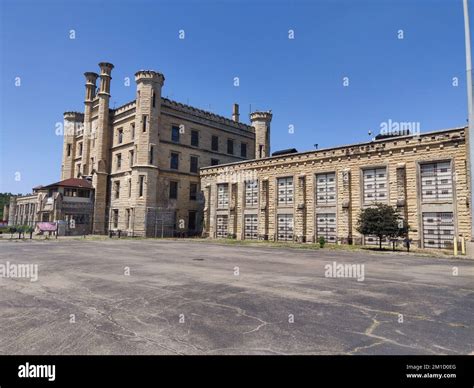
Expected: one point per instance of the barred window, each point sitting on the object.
(222, 226)
(251, 227)
(326, 226)
(223, 196)
(285, 227)
(436, 181)
(285, 191)
(326, 189)
(438, 230)
(251, 193)
(375, 185)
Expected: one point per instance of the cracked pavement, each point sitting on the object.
(182, 297)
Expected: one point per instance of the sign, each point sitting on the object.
(47, 226)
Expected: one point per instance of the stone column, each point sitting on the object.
(233, 187)
(263, 209)
(206, 211)
(401, 190)
(240, 210)
(344, 220)
(300, 212)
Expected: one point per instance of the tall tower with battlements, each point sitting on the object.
(144, 157)
(261, 123)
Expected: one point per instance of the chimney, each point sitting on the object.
(105, 71)
(90, 85)
(235, 113)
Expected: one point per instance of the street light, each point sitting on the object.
(470, 134)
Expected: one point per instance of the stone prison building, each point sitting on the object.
(143, 158)
(302, 196)
(156, 167)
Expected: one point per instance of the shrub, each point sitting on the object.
(11, 230)
(322, 242)
(20, 229)
(29, 230)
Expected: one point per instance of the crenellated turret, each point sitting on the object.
(261, 123)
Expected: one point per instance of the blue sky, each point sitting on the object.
(300, 79)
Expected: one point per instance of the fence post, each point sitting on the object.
(455, 245)
(463, 245)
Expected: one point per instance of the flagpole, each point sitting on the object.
(470, 134)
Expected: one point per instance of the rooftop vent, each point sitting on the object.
(285, 152)
(402, 132)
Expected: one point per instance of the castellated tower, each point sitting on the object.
(144, 175)
(73, 123)
(261, 123)
(101, 148)
(144, 157)
(91, 79)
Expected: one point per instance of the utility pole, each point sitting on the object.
(470, 134)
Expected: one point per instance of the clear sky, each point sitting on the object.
(301, 80)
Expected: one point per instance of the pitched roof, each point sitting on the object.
(72, 182)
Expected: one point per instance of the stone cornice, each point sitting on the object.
(203, 115)
(404, 144)
(165, 102)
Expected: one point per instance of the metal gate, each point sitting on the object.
(438, 230)
(160, 222)
(222, 226)
(285, 227)
(251, 227)
(326, 226)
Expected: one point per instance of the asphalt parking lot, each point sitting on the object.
(184, 297)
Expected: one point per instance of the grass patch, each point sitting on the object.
(330, 247)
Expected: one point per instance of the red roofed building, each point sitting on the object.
(69, 203)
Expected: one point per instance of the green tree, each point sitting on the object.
(381, 221)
